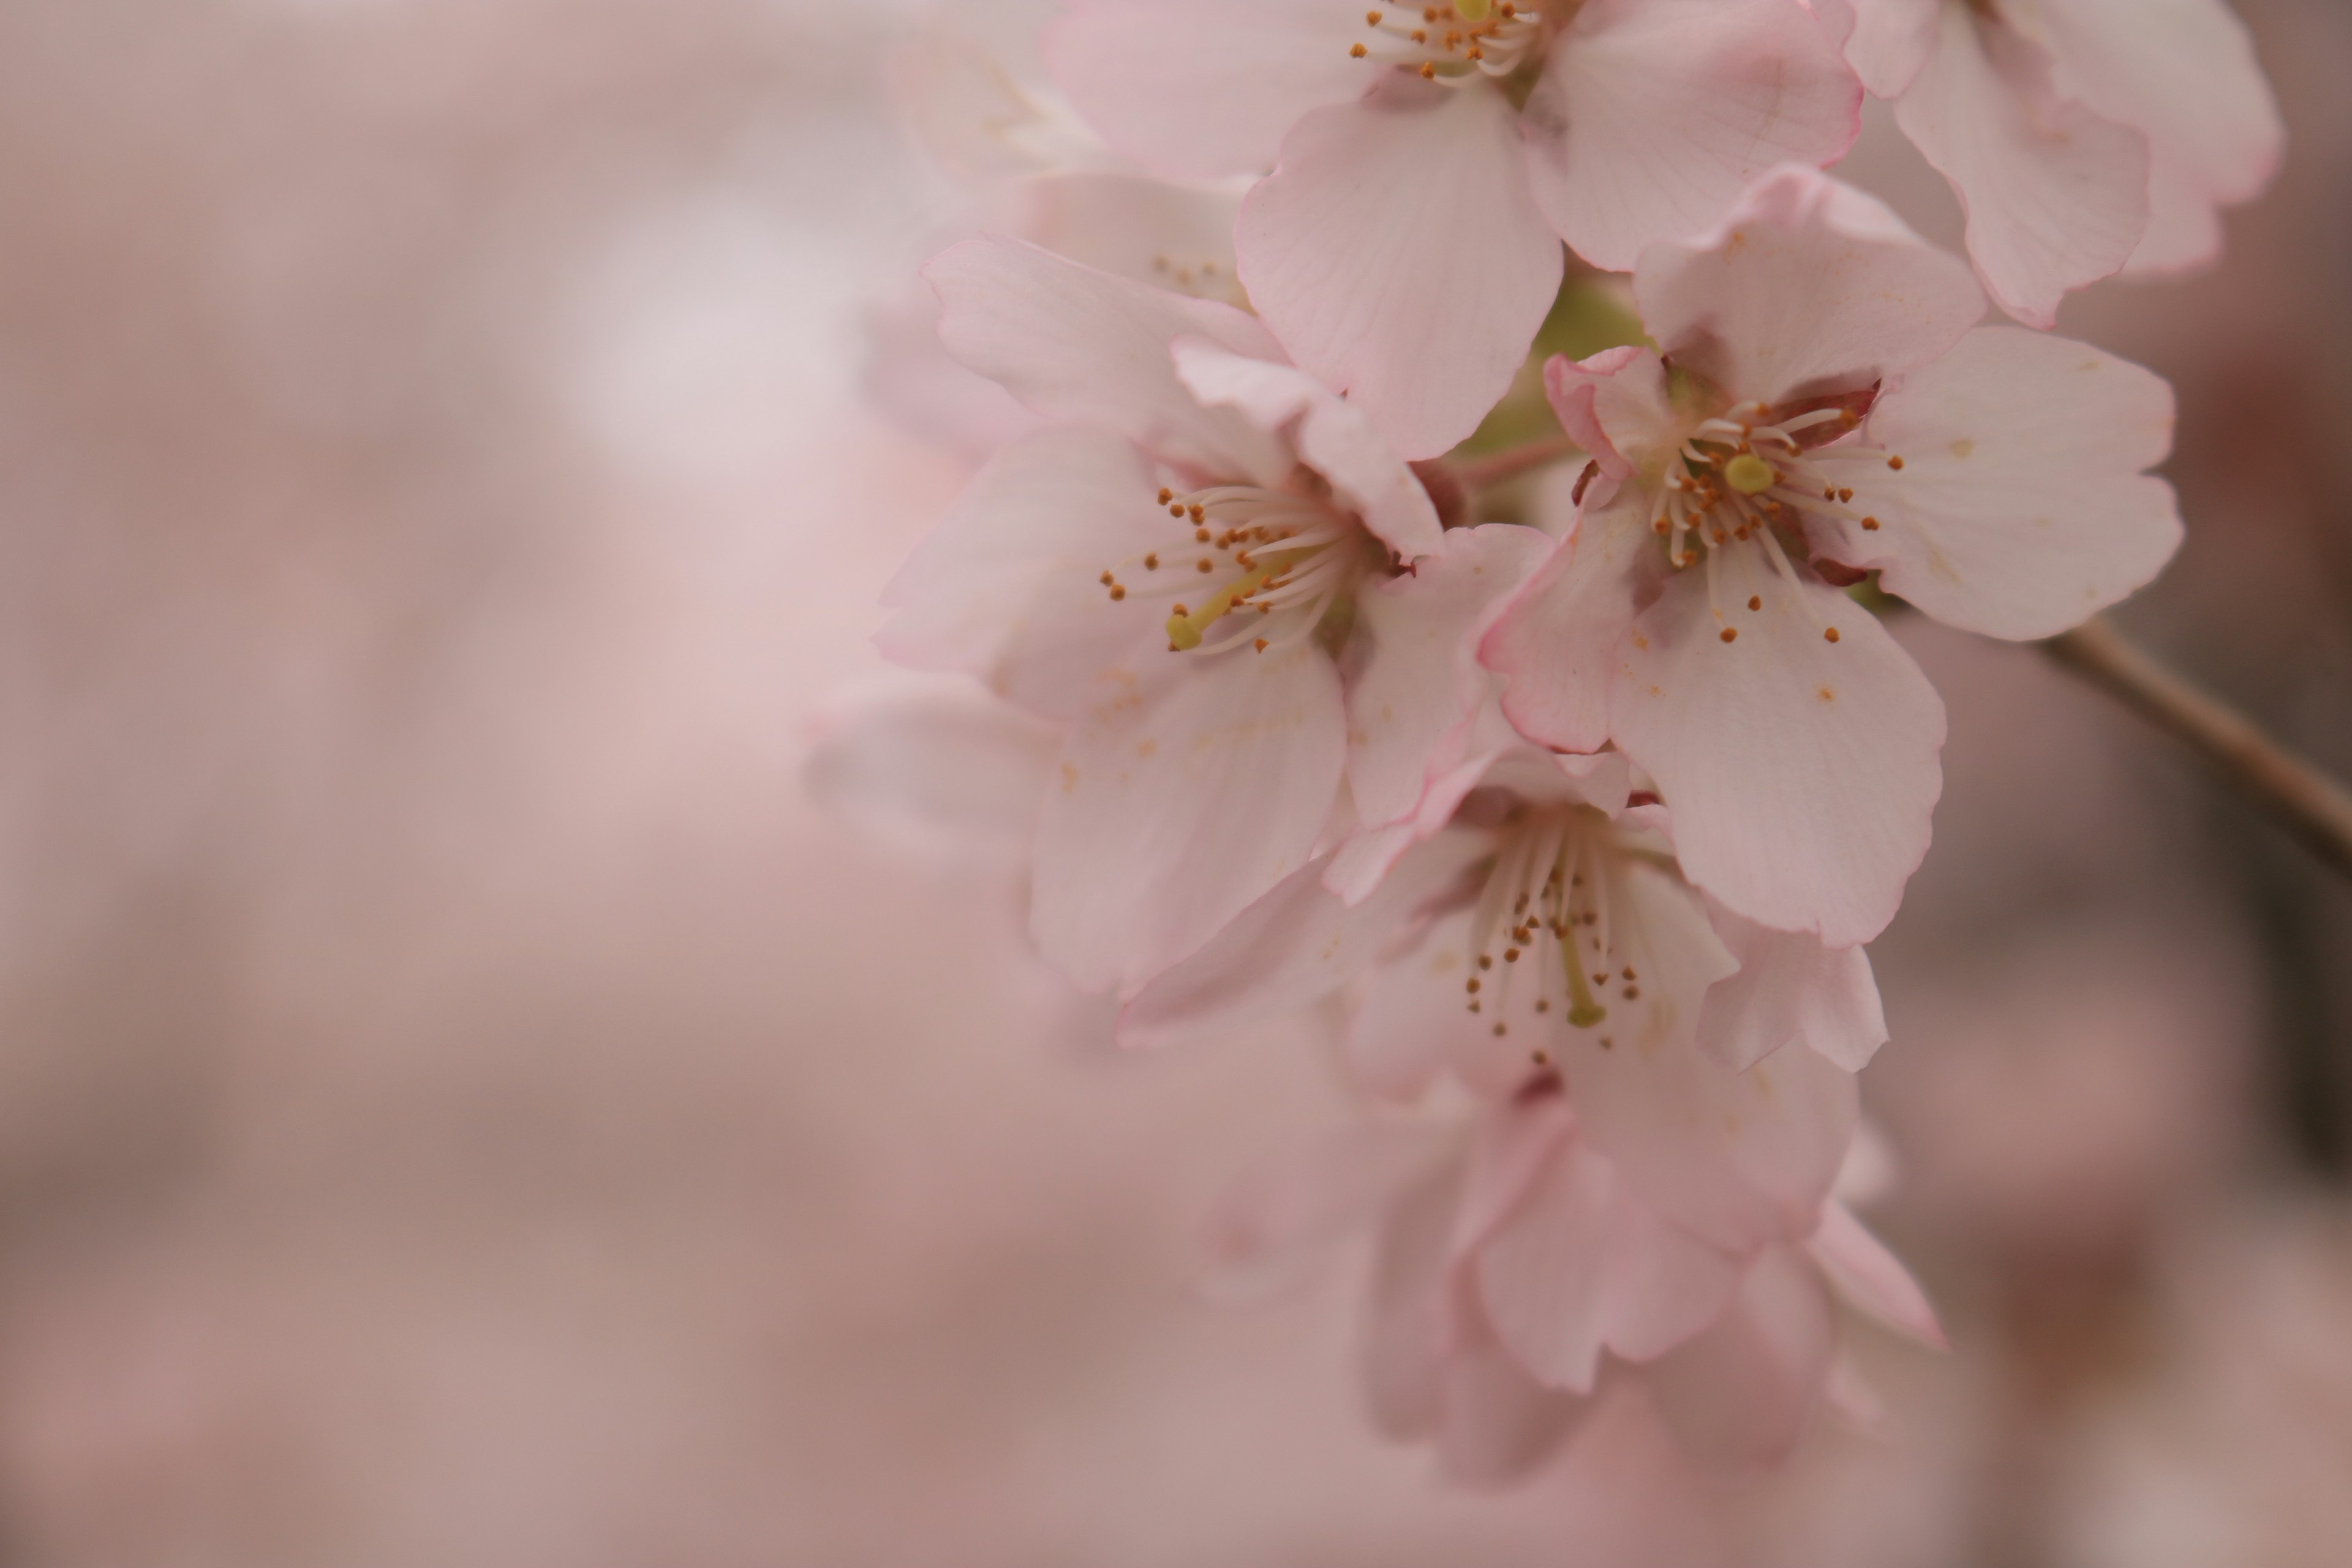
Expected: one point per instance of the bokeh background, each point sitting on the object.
(462, 1103)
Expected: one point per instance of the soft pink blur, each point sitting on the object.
(462, 1104)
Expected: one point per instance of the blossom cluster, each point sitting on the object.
(1575, 794)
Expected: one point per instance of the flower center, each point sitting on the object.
(1458, 43)
(1746, 478)
(1545, 917)
(1256, 567)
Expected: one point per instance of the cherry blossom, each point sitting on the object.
(1432, 159)
(1542, 928)
(2084, 137)
(1821, 409)
(1203, 563)
(1520, 1283)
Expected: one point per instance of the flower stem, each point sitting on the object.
(1476, 473)
(2305, 801)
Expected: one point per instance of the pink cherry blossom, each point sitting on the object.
(2084, 137)
(1521, 1282)
(1543, 930)
(1997, 482)
(1432, 161)
(1201, 562)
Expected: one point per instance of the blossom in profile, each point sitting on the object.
(1535, 923)
(1822, 407)
(2084, 137)
(1520, 1284)
(1432, 159)
(1218, 573)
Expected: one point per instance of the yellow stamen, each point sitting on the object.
(1184, 629)
(1472, 10)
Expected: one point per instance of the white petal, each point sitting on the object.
(1084, 347)
(1801, 774)
(1186, 791)
(1398, 255)
(2020, 509)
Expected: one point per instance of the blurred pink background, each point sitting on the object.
(462, 1103)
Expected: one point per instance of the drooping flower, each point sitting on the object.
(1433, 158)
(1534, 922)
(1822, 410)
(1521, 1282)
(1218, 572)
(2084, 137)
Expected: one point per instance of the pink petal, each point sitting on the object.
(1741, 1395)
(1171, 237)
(1207, 88)
(1397, 255)
(1790, 989)
(2020, 509)
(2184, 72)
(1885, 41)
(1872, 1278)
(1329, 436)
(1614, 405)
(1293, 946)
(1580, 1267)
(1559, 641)
(1007, 586)
(1739, 1158)
(1810, 286)
(935, 762)
(1801, 774)
(2056, 196)
(1409, 1027)
(1653, 115)
(1409, 711)
(1082, 346)
(1186, 791)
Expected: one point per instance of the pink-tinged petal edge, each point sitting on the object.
(1397, 254)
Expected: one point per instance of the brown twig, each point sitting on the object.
(2306, 802)
(1476, 473)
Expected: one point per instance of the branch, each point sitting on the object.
(1476, 473)
(2305, 801)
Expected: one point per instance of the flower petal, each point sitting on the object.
(2020, 509)
(1741, 1395)
(1872, 1278)
(1397, 255)
(1187, 790)
(1082, 346)
(1293, 946)
(1653, 115)
(2184, 72)
(1410, 710)
(1790, 989)
(1614, 405)
(1741, 1158)
(1329, 436)
(1007, 586)
(1579, 1266)
(1801, 774)
(1808, 286)
(2056, 196)
(1559, 641)
(1885, 41)
(1207, 88)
